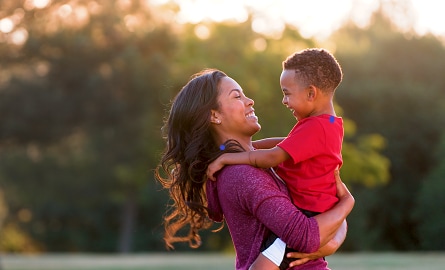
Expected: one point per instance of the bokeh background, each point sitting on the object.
(85, 87)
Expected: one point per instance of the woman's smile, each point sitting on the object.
(251, 114)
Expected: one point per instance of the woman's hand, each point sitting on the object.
(302, 258)
(329, 221)
(330, 248)
(342, 190)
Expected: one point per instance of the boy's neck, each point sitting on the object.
(324, 108)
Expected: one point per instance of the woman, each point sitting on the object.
(210, 116)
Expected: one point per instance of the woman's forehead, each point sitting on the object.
(228, 84)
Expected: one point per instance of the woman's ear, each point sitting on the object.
(214, 117)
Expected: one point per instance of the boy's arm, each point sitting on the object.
(267, 142)
(263, 158)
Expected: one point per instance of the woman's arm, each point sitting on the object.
(267, 142)
(331, 220)
(298, 231)
(330, 248)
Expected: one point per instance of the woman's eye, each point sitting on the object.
(238, 97)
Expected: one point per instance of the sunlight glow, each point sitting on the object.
(94, 8)
(82, 16)
(202, 31)
(65, 10)
(430, 16)
(123, 4)
(131, 22)
(6, 25)
(41, 3)
(157, 2)
(19, 36)
(361, 11)
(268, 26)
(42, 68)
(71, 15)
(17, 16)
(215, 10)
(259, 44)
(315, 18)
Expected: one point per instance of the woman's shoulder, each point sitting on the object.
(245, 175)
(248, 185)
(243, 170)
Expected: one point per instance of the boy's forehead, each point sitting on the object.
(287, 75)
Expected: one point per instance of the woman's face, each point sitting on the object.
(235, 116)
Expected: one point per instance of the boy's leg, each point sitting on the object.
(273, 253)
(276, 251)
(263, 263)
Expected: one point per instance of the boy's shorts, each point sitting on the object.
(275, 249)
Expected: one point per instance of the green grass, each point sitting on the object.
(196, 261)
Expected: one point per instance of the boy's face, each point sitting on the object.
(296, 95)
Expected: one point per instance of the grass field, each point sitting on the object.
(197, 261)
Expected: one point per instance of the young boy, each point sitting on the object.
(306, 159)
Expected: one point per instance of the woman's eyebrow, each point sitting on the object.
(236, 90)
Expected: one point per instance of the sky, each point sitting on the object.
(315, 18)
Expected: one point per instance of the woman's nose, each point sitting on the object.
(250, 102)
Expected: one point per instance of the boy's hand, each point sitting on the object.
(213, 167)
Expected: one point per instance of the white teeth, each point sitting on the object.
(251, 114)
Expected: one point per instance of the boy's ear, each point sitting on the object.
(312, 92)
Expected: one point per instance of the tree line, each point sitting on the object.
(84, 97)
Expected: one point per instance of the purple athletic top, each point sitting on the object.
(253, 202)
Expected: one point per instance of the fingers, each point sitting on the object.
(300, 258)
(341, 188)
(211, 171)
(298, 262)
(210, 175)
(295, 255)
(337, 175)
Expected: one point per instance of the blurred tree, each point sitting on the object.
(82, 101)
(254, 60)
(3, 209)
(429, 211)
(79, 107)
(393, 86)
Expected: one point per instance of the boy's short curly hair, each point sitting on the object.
(316, 67)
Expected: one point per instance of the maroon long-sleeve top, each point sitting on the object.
(253, 203)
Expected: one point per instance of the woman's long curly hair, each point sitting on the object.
(189, 150)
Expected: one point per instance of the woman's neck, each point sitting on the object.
(246, 143)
